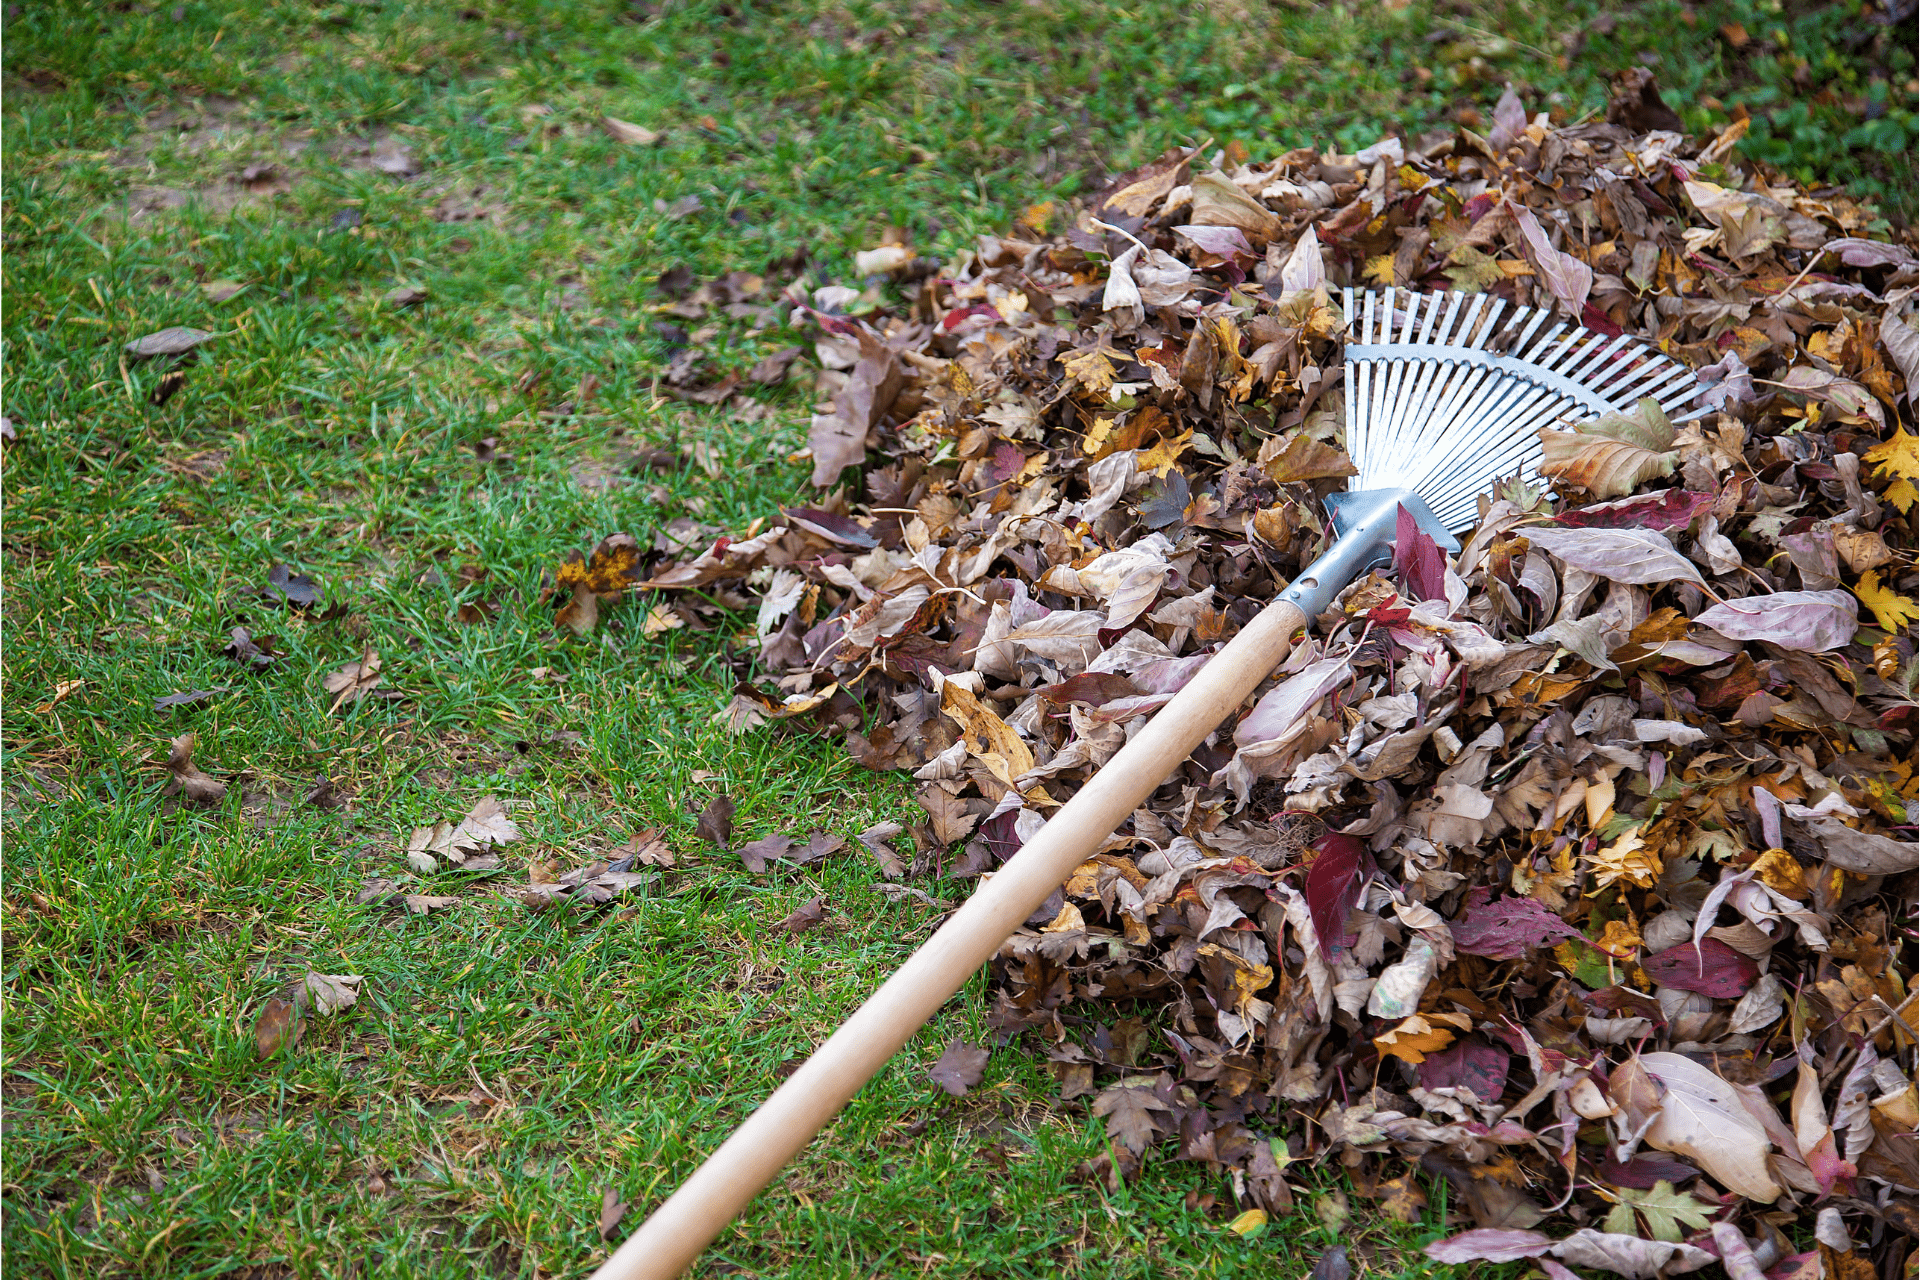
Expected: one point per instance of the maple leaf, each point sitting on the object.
(1091, 369)
(1129, 1108)
(353, 681)
(1664, 1209)
(1898, 458)
(961, 1066)
(1891, 610)
(1627, 858)
(1473, 271)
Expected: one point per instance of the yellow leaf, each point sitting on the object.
(1899, 456)
(1891, 610)
(1069, 920)
(1091, 369)
(1902, 494)
(1249, 1224)
(1379, 270)
(1097, 438)
(1780, 871)
(1627, 859)
(1161, 457)
(1413, 1040)
(989, 739)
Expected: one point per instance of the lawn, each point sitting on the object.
(455, 342)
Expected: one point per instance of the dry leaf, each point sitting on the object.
(353, 681)
(188, 781)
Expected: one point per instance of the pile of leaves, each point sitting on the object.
(1577, 871)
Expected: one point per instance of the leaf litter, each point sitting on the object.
(1576, 870)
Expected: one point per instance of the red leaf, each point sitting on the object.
(1664, 511)
(1341, 866)
(1417, 559)
(1507, 929)
(1716, 969)
(1645, 1169)
(1470, 1064)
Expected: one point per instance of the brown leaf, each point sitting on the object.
(353, 681)
(805, 916)
(196, 786)
(961, 1066)
(716, 822)
(633, 135)
(819, 845)
(612, 1209)
(755, 855)
(1304, 459)
(176, 341)
(276, 1027)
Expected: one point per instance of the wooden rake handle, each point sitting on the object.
(669, 1240)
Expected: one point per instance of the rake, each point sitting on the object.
(1445, 395)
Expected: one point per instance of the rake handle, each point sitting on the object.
(669, 1240)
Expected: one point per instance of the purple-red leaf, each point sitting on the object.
(1806, 621)
(1418, 560)
(1669, 509)
(1507, 929)
(1716, 969)
(1341, 866)
(1470, 1064)
(1489, 1244)
(1645, 1169)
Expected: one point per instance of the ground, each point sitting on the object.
(441, 364)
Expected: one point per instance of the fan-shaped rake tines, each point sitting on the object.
(1448, 391)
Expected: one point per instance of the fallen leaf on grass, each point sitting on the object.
(633, 135)
(61, 692)
(326, 993)
(1249, 1224)
(1333, 1265)
(805, 916)
(961, 1066)
(176, 341)
(392, 156)
(353, 681)
(820, 844)
(755, 855)
(715, 825)
(196, 786)
(646, 849)
(250, 651)
(402, 296)
(296, 590)
(186, 698)
(276, 1027)
(612, 1209)
(485, 826)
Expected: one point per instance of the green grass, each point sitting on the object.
(502, 1069)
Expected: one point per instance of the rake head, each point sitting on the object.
(1447, 392)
